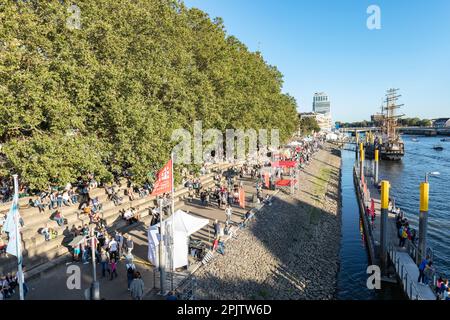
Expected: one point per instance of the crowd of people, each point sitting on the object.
(404, 230)
(9, 285)
(110, 249)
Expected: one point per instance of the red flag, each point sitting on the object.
(242, 198)
(163, 182)
(267, 180)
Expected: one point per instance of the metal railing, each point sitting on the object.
(409, 287)
(406, 280)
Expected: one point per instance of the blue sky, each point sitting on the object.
(325, 45)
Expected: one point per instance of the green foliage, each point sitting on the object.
(109, 95)
(308, 125)
(403, 122)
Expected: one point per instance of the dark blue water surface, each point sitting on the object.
(354, 258)
(405, 178)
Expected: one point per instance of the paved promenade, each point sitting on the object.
(52, 283)
(302, 232)
(291, 248)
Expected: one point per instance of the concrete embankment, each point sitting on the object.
(291, 248)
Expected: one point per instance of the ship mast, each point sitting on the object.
(389, 112)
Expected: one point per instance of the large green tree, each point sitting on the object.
(107, 95)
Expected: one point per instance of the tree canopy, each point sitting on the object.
(107, 94)
(309, 125)
(404, 122)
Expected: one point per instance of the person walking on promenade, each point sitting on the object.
(113, 247)
(137, 287)
(120, 241)
(112, 269)
(216, 229)
(104, 261)
(130, 245)
(403, 235)
(422, 267)
(131, 269)
(228, 213)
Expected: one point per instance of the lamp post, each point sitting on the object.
(433, 174)
(423, 217)
(95, 286)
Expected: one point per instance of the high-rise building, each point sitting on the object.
(321, 103)
(322, 110)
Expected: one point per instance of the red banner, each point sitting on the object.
(284, 164)
(163, 182)
(267, 180)
(284, 183)
(242, 198)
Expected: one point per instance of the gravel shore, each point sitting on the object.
(291, 248)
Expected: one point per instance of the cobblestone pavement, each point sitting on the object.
(291, 249)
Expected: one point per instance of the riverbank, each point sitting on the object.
(291, 248)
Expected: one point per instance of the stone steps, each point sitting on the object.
(38, 251)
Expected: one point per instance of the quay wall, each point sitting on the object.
(369, 238)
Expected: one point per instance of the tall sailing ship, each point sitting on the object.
(391, 145)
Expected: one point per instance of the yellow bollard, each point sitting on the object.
(377, 158)
(424, 196)
(361, 164)
(385, 186)
(423, 220)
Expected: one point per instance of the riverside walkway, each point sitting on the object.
(404, 265)
(41, 288)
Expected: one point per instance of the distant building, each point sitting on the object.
(322, 111)
(321, 103)
(323, 120)
(441, 123)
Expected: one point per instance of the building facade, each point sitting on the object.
(321, 103)
(441, 123)
(322, 111)
(323, 120)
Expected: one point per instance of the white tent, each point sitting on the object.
(294, 144)
(331, 137)
(183, 226)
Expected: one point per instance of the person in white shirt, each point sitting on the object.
(113, 246)
(128, 214)
(66, 199)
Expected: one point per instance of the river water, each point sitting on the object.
(405, 178)
(354, 258)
